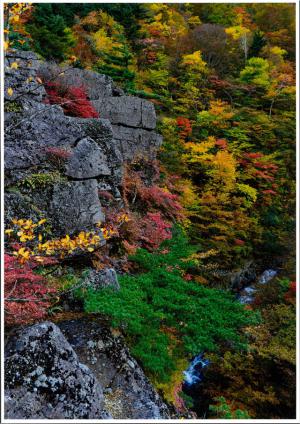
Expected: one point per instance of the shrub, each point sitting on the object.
(155, 230)
(198, 318)
(27, 298)
(72, 99)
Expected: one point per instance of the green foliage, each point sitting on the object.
(40, 181)
(150, 304)
(117, 63)
(256, 72)
(223, 410)
(51, 37)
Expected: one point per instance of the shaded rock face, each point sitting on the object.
(75, 205)
(87, 161)
(98, 147)
(128, 393)
(45, 379)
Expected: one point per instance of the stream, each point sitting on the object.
(193, 375)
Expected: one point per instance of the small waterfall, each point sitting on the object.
(248, 293)
(193, 375)
(266, 276)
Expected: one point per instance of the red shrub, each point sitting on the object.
(155, 230)
(239, 242)
(73, 100)
(25, 294)
(185, 127)
(290, 295)
(222, 143)
(163, 200)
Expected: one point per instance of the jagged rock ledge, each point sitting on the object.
(98, 148)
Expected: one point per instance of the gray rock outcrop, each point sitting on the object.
(91, 151)
(78, 369)
(75, 205)
(44, 378)
(87, 161)
(128, 111)
(128, 394)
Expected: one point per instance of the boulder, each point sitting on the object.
(75, 206)
(87, 161)
(128, 394)
(102, 279)
(44, 378)
(127, 110)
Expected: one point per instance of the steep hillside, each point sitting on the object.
(150, 210)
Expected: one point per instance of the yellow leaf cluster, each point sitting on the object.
(194, 61)
(25, 231)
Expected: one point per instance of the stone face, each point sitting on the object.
(44, 378)
(27, 137)
(75, 206)
(97, 86)
(128, 394)
(136, 142)
(105, 278)
(22, 79)
(127, 110)
(87, 160)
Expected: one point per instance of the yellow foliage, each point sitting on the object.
(170, 389)
(25, 231)
(102, 41)
(194, 61)
(236, 32)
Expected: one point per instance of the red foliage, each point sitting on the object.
(290, 295)
(58, 152)
(253, 155)
(239, 242)
(269, 192)
(161, 199)
(222, 143)
(185, 127)
(26, 296)
(73, 100)
(105, 195)
(155, 230)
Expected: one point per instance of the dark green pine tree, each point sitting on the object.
(116, 64)
(51, 37)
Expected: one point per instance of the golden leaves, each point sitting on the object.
(10, 91)
(25, 231)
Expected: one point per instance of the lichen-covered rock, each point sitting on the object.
(102, 279)
(23, 80)
(75, 206)
(28, 135)
(128, 111)
(44, 378)
(128, 394)
(87, 161)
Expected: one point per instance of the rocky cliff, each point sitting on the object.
(78, 369)
(97, 148)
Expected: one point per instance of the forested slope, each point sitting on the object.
(193, 207)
